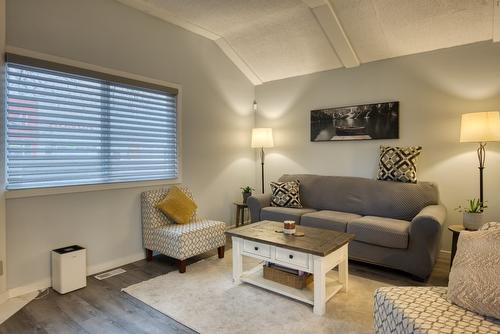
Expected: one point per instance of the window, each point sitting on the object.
(70, 126)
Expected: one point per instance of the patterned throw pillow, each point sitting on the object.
(474, 277)
(398, 163)
(286, 194)
(490, 226)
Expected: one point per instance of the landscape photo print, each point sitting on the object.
(361, 122)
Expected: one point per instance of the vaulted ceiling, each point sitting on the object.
(275, 39)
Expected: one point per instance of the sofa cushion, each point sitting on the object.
(280, 214)
(380, 231)
(331, 220)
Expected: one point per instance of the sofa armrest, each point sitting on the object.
(256, 203)
(425, 237)
(429, 220)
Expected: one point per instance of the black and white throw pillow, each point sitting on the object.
(398, 163)
(286, 194)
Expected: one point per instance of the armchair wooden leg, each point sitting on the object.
(220, 251)
(149, 255)
(182, 266)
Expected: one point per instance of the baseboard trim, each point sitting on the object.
(98, 268)
(32, 287)
(447, 252)
(91, 270)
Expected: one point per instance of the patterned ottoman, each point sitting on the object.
(425, 310)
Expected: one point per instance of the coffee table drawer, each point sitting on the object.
(292, 257)
(257, 248)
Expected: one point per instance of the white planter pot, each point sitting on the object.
(473, 221)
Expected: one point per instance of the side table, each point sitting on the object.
(455, 229)
(240, 213)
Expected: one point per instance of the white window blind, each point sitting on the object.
(68, 129)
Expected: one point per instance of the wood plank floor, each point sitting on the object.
(101, 307)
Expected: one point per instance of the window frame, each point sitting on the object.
(28, 57)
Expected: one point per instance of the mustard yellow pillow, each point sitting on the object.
(177, 205)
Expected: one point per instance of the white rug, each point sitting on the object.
(206, 300)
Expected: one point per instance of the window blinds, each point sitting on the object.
(68, 129)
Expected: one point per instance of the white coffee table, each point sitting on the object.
(317, 252)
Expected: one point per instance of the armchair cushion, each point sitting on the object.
(182, 241)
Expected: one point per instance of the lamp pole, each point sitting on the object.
(262, 137)
(481, 155)
(262, 166)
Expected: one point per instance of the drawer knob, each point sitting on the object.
(256, 248)
(290, 256)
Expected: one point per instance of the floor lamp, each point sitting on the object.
(480, 127)
(261, 138)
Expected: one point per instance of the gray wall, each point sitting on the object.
(433, 89)
(217, 118)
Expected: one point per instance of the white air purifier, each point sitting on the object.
(69, 268)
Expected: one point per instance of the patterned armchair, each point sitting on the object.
(179, 241)
(419, 310)
(472, 287)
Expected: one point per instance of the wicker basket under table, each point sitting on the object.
(288, 279)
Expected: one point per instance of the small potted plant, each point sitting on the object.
(473, 214)
(246, 192)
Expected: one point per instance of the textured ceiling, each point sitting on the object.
(275, 39)
(380, 29)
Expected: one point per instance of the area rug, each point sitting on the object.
(206, 300)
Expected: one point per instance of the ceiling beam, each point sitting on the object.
(314, 3)
(328, 20)
(238, 61)
(496, 20)
(165, 15)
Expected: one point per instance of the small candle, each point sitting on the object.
(289, 227)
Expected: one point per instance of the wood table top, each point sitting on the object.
(316, 241)
(456, 228)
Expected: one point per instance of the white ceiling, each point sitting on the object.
(275, 39)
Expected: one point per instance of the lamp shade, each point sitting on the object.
(480, 127)
(262, 137)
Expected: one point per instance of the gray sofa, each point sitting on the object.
(396, 225)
